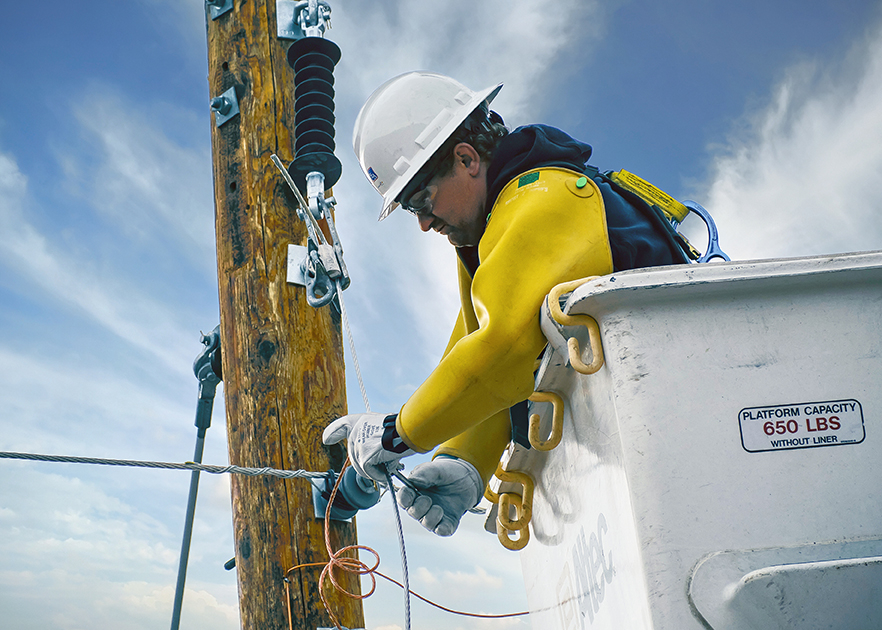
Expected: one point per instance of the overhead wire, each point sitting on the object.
(208, 468)
(337, 560)
(340, 562)
(400, 529)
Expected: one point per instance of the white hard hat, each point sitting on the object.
(404, 122)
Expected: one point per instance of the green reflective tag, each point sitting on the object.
(528, 179)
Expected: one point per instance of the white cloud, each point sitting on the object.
(153, 188)
(88, 601)
(105, 290)
(446, 581)
(471, 572)
(202, 608)
(803, 177)
(102, 558)
(13, 185)
(479, 44)
(404, 297)
(86, 410)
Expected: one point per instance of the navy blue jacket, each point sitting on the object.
(637, 236)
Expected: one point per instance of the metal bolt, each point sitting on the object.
(221, 105)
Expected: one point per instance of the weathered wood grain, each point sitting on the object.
(282, 359)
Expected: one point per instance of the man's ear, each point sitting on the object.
(469, 157)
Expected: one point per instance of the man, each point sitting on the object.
(524, 217)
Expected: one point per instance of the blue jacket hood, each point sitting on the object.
(530, 147)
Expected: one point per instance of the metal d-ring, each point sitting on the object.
(526, 496)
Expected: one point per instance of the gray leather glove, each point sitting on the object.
(449, 487)
(374, 443)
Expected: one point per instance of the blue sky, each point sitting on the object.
(765, 112)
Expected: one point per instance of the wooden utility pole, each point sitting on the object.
(282, 359)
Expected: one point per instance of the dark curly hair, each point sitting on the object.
(483, 130)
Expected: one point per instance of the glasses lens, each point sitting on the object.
(420, 202)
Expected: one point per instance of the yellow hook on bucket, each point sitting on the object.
(556, 422)
(575, 353)
(522, 503)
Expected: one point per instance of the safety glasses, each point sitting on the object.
(420, 202)
(418, 195)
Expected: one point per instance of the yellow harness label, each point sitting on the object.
(649, 193)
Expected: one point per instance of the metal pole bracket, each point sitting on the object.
(225, 106)
(296, 258)
(296, 19)
(218, 7)
(287, 25)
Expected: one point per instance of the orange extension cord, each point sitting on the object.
(354, 565)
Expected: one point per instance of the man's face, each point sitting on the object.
(457, 200)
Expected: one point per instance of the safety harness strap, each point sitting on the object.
(659, 207)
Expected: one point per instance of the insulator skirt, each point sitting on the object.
(313, 60)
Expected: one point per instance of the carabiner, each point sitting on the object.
(320, 289)
(713, 236)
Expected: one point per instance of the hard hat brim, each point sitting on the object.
(389, 203)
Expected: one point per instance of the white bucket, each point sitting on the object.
(724, 467)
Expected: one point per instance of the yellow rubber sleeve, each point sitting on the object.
(547, 226)
(481, 445)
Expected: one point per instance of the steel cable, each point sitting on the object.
(208, 468)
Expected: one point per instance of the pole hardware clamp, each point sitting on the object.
(304, 18)
(225, 106)
(319, 265)
(218, 7)
(207, 368)
(355, 493)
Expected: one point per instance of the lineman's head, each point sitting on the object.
(424, 141)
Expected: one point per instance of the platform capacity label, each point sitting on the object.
(801, 425)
